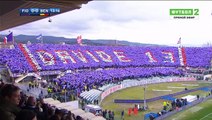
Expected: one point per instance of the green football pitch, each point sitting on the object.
(202, 111)
(152, 90)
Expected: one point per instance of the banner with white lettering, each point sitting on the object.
(54, 57)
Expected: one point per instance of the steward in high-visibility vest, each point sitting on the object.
(85, 87)
(30, 84)
(49, 90)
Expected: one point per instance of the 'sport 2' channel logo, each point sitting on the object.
(184, 13)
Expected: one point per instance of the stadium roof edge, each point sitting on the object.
(9, 10)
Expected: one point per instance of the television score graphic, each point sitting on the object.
(39, 11)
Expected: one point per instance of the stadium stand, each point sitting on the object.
(48, 57)
(89, 72)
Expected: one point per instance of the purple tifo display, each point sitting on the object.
(50, 57)
(198, 57)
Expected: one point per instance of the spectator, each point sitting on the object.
(159, 113)
(68, 116)
(9, 100)
(198, 97)
(108, 115)
(104, 114)
(122, 115)
(129, 111)
(78, 118)
(138, 106)
(151, 117)
(45, 109)
(1, 83)
(113, 114)
(186, 102)
(135, 110)
(58, 115)
(50, 113)
(73, 116)
(26, 115)
(31, 105)
(97, 102)
(173, 103)
(41, 96)
(164, 105)
(23, 100)
(30, 85)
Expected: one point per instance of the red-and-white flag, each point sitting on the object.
(79, 40)
(5, 40)
(179, 41)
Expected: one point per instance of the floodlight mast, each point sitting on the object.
(145, 105)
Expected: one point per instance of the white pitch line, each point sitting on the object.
(205, 116)
(162, 90)
(177, 87)
(190, 84)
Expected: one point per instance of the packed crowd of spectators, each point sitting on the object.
(71, 85)
(15, 105)
(86, 80)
